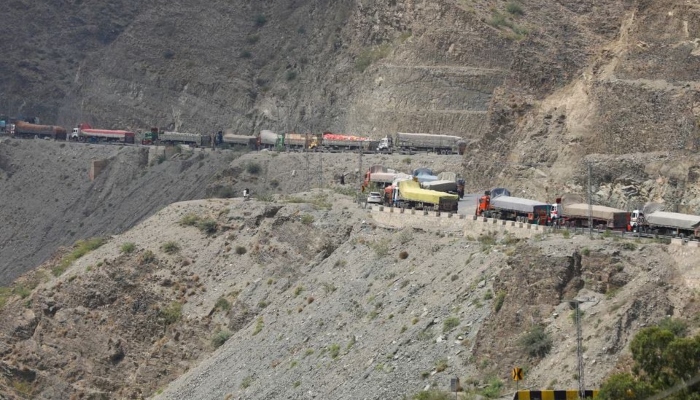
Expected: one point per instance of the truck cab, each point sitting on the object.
(484, 204)
(385, 145)
(636, 219)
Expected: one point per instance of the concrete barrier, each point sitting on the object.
(96, 166)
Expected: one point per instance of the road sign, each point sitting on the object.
(454, 385)
(517, 374)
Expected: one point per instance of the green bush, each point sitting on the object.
(128, 248)
(172, 313)
(253, 168)
(500, 298)
(514, 8)
(260, 20)
(147, 257)
(240, 250)
(170, 247)
(493, 390)
(189, 220)
(80, 248)
(246, 54)
(223, 304)
(208, 226)
(258, 326)
(291, 75)
(449, 324)
(334, 350)
(220, 338)
(536, 342)
(433, 394)
(307, 219)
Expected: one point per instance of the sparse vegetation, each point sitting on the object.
(307, 219)
(260, 20)
(220, 338)
(81, 248)
(334, 350)
(170, 247)
(222, 304)
(500, 298)
(371, 55)
(493, 390)
(514, 8)
(172, 313)
(381, 248)
(291, 75)
(208, 226)
(441, 365)
(258, 326)
(189, 220)
(253, 168)
(537, 342)
(127, 248)
(298, 290)
(240, 250)
(246, 382)
(146, 257)
(403, 255)
(449, 324)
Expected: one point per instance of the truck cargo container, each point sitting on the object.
(26, 129)
(300, 141)
(190, 139)
(513, 209)
(270, 140)
(666, 223)
(336, 142)
(576, 215)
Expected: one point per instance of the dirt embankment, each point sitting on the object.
(49, 201)
(307, 289)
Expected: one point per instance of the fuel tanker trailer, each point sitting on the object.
(25, 129)
(86, 133)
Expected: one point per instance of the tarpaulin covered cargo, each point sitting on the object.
(238, 139)
(440, 185)
(615, 218)
(386, 177)
(518, 204)
(426, 140)
(180, 137)
(597, 212)
(410, 190)
(268, 137)
(673, 220)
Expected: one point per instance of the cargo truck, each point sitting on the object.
(409, 143)
(26, 129)
(85, 133)
(239, 141)
(577, 215)
(190, 139)
(409, 194)
(666, 223)
(513, 209)
(334, 142)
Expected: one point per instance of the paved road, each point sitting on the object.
(467, 205)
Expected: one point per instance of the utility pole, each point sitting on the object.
(361, 177)
(590, 204)
(576, 304)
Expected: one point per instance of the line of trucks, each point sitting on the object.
(424, 190)
(403, 143)
(581, 215)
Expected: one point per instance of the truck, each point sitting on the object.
(270, 140)
(577, 215)
(190, 139)
(334, 142)
(666, 223)
(29, 130)
(300, 141)
(409, 143)
(382, 176)
(85, 133)
(513, 209)
(408, 193)
(240, 141)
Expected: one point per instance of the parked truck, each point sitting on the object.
(577, 215)
(85, 133)
(334, 142)
(513, 209)
(29, 130)
(239, 141)
(187, 138)
(666, 223)
(409, 194)
(409, 143)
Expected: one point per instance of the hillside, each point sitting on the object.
(330, 307)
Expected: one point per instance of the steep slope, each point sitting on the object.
(49, 201)
(310, 297)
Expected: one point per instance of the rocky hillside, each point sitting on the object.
(48, 199)
(332, 305)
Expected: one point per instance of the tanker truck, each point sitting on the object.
(25, 129)
(409, 143)
(85, 133)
